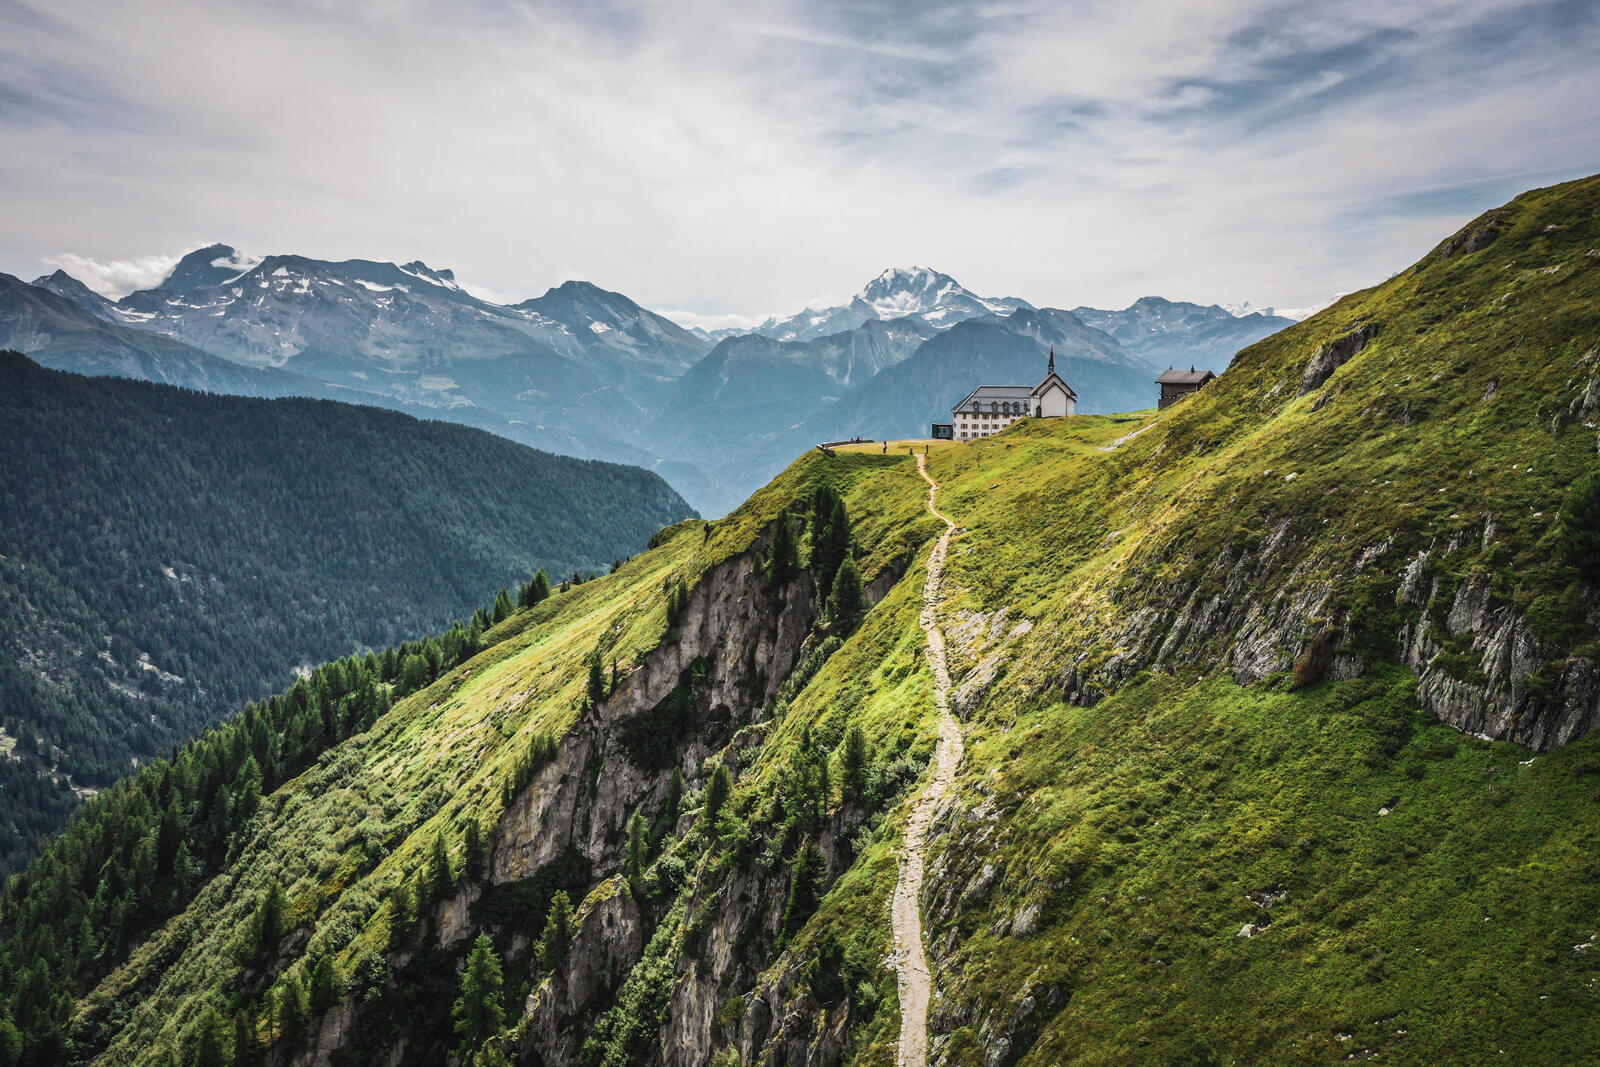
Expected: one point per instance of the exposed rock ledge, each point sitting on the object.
(1526, 691)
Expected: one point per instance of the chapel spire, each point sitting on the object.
(1052, 368)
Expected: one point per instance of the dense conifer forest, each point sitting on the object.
(167, 555)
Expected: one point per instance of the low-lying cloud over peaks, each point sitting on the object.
(117, 277)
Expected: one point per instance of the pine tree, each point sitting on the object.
(210, 1047)
(293, 1009)
(838, 537)
(10, 1043)
(168, 838)
(404, 909)
(846, 601)
(244, 1038)
(502, 607)
(246, 790)
(1580, 527)
(491, 1055)
(806, 787)
(853, 763)
(440, 880)
(597, 678)
(326, 985)
(266, 925)
(785, 552)
(805, 884)
(830, 538)
(479, 1012)
(473, 847)
(674, 798)
(638, 848)
(676, 591)
(820, 534)
(717, 793)
(557, 935)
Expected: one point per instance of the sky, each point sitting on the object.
(726, 161)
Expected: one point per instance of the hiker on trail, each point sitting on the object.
(886, 448)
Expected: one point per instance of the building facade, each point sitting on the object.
(989, 409)
(1177, 384)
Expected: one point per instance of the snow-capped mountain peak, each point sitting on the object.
(208, 266)
(899, 292)
(902, 291)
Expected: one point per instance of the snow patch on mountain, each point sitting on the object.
(236, 261)
(900, 292)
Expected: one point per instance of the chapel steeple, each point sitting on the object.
(1052, 368)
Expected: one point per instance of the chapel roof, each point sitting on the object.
(1053, 378)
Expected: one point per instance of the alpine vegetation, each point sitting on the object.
(1257, 729)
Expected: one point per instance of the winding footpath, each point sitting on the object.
(910, 960)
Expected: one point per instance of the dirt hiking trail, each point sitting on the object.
(909, 958)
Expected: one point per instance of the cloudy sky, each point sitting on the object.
(744, 158)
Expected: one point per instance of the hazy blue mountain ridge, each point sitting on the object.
(1174, 333)
(584, 371)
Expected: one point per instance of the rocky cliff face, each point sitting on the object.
(1504, 683)
(734, 643)
(740, 640)
(1480, 665)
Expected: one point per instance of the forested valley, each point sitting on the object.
(167, 555)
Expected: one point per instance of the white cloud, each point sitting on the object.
(693, 320)
(701, 157)
(492, 295)
(117, 277)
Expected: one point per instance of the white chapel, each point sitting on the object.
(989, 409)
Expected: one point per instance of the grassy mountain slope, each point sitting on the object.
(167, 555)
(1213, 808)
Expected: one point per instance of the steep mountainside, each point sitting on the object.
(166, 555)
(1279, 712)
(1174, 333)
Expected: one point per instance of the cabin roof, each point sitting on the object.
(1184, 377)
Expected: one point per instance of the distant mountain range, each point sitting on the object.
(1171, 333)
(588, 372)
(937, 299)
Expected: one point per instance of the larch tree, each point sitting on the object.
(479, 1011)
